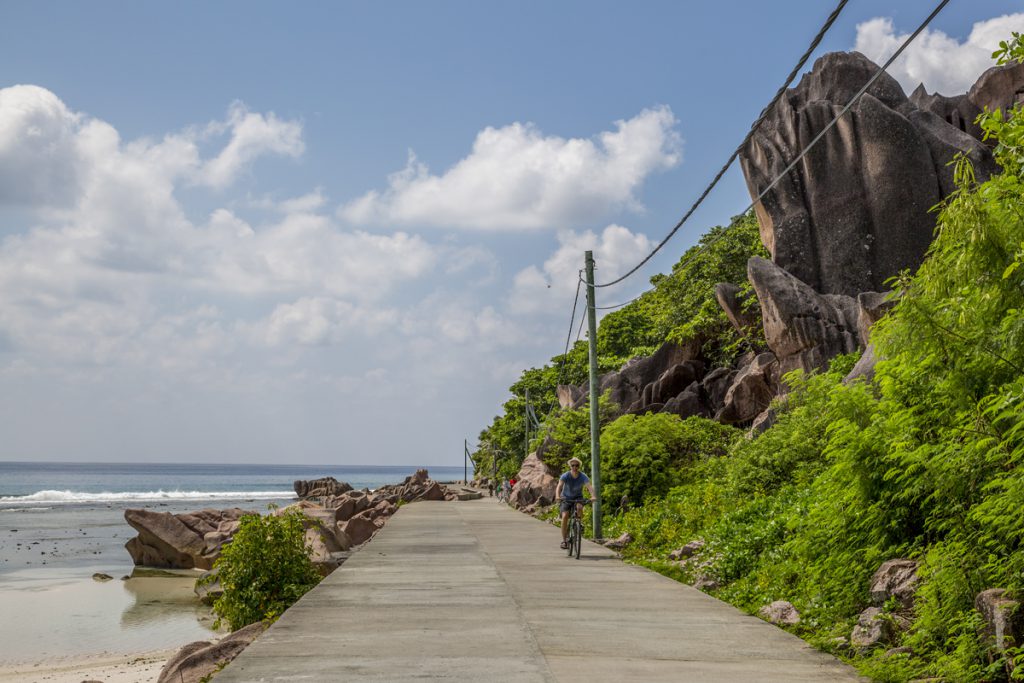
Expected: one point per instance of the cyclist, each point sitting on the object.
(570, 492)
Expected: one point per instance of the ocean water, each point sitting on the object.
(62, 522)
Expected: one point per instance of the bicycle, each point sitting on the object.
(575, 537)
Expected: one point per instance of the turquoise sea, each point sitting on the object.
(62, 522)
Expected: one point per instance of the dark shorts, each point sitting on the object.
(566, 505)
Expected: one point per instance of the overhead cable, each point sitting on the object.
(810, 145)
(764, 114)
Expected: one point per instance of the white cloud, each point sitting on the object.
(114, 272)
(550, 288)
(939, 61)
(319, 321)
(516, 178)
(252, 135)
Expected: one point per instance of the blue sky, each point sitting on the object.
(336, 232)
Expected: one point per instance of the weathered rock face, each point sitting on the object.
(318, 488)
(751, 392)
(185, 541)
(535, 483)
(854, 211)
(780, 613)
(803, 329)
(872, 629)
(728, 297)
(895, 579)
(1004, 620)
(359, 529)
(629, 384)
(199, 660)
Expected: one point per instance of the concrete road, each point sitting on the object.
(474, 591)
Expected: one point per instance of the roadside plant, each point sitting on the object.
(263, 570)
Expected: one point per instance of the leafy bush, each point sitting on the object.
(643, 456)
(264, 569)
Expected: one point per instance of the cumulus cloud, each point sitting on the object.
(112, 269)
(38, 147)
(516, 178)
(941, 62)
(551, 286)
(252, 135)
(319, 321)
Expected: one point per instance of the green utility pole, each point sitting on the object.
(595, 417)
(526, 420)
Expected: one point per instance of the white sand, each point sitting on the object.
(135, 668)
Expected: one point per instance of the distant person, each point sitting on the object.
(570, 492)
(490, 487)
(507, 488)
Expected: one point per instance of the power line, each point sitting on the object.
(764, 114)
(572, 319)
(810, 145)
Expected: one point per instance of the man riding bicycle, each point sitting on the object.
(570, 492)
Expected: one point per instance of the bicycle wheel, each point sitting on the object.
(570, 540)
(577, 538)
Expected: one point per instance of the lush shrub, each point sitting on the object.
(643, 456)
(264, 569)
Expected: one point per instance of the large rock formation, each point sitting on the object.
(198, 661)
(854, 211)
(535, 483)
(319, 488)
(185, 541)
(803, 329)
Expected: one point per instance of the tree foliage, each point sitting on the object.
(264, 569)
(925, 463)
(680, 306)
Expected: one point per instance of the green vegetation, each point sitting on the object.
(925, 463)
(680, 307)
(264, 569)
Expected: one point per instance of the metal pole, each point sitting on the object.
(526, 418)
(595, 418)
(465, 461)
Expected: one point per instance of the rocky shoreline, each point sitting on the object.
(338, 521)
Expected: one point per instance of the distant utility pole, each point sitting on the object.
(526, 420)
(465, 461)
(595, 417)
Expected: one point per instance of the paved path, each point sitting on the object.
(474, 591)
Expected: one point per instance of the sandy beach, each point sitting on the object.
(131, 668)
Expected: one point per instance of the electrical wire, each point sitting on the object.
(753, 128)
(810, 145)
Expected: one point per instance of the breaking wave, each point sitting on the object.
(64, 497)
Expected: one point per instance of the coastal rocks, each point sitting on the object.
(688, 550)
(855, 210)
(183, 541)
(873, 628)
(101, 577)
(895, 579)
(803, 329)
(319, 488)
(780, 613)
(198, 661)
(729, 297)
(1004, 620)
(628, 387)
(751, 392)
(619, 543)
(535, 483)
(359, 529)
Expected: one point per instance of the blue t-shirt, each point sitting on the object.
(572, 489)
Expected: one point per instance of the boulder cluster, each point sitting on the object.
(850, 215)
(336, 517)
